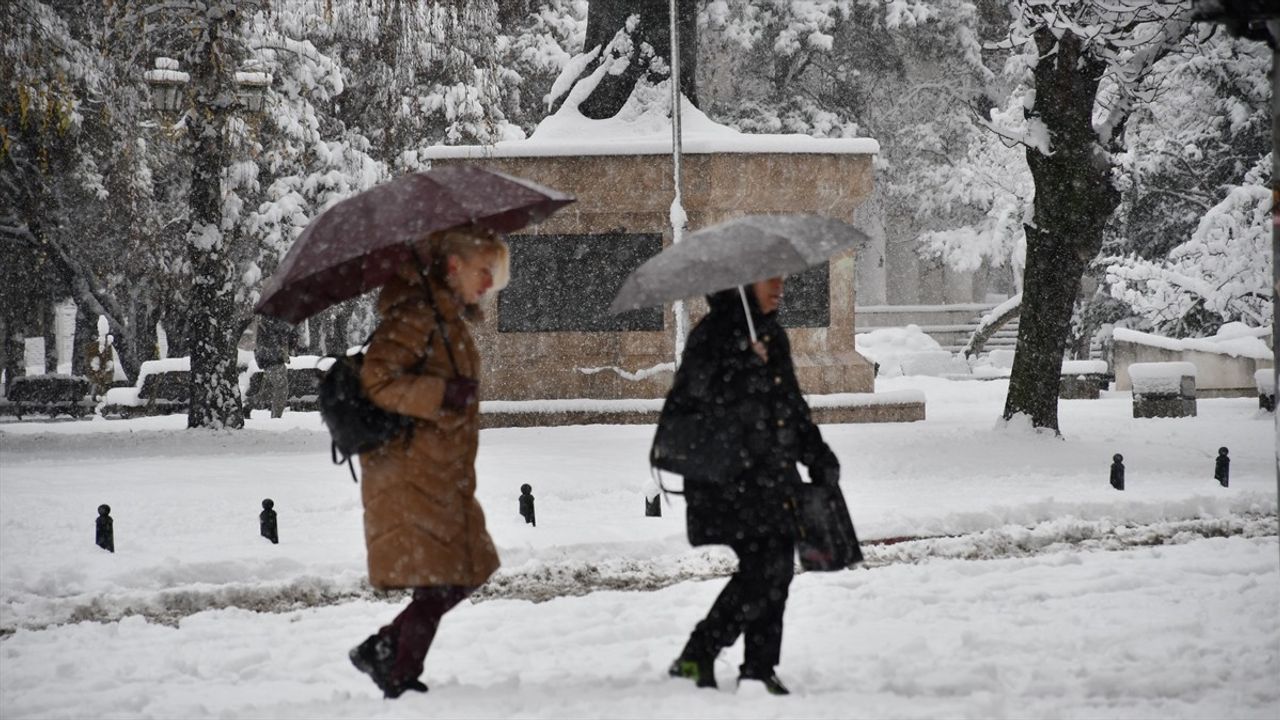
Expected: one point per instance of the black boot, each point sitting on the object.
(702, 671)
(374, 657)
(395, 690)
(770, 681)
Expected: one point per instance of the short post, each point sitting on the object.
(1117, 471)
(653, 498)
(267, 522)
(106, 534)
(653, 506)
(1222, 468)
(526, 505)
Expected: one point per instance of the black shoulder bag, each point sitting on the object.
(697, 444)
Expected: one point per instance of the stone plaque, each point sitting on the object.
(806, 299)
(566, 283)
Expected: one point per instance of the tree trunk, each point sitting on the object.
(606, 17)
(11, 350)
(49, 316)
(215, 393)
(144, 329)
(342, 329)
(85, 338)
(1074, 200)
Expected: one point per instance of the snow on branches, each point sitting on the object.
(1222, 274)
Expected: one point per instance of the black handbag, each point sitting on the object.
(827, 541)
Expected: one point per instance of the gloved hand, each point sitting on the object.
(459, 393)
(826, 470)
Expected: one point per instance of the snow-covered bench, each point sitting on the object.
(1265, 379)
(163, 388)
(1163, 389)
(161, 393)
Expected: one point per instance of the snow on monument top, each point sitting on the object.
(643, 127)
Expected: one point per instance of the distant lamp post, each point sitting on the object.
(212, 94)
(251, 87)
(166, 82)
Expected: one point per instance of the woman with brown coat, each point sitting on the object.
(424, 529)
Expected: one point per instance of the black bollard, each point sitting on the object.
(267, 522)
(1222, 468)
(1117, 471)
(653, 506)
(106, 534)
(526, 504)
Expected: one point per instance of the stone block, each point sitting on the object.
(1080, 387)
(1163, 389)
(1163, 406)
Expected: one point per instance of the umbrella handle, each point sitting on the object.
(746, 310)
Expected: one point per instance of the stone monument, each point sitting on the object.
(549, 337)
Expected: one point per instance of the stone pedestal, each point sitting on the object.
(1163, 389)
(1079, 387)
(628, 194)
(1163, 406)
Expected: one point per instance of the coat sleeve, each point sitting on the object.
(399, 344)
(813, 449)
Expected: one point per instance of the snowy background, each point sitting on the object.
(1026, 586)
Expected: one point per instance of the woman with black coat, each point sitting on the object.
(753, 426)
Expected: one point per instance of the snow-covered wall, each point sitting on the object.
(1225, 363)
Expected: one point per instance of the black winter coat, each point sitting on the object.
(762, 425)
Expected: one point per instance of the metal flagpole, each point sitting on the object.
(678, 218)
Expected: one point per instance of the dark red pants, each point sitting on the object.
(415, 627)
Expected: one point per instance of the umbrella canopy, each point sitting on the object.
(734, 253)
(358, 244)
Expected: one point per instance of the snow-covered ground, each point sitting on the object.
(1036, 589)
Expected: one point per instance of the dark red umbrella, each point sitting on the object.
(358, 244)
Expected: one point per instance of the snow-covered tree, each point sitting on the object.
(78, 172)
(1088, 65)
(419, 74)
(533, 50)
(1193, 179)
(1221, 275)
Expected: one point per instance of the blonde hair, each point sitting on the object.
(469, 243)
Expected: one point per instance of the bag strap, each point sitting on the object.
(435, 309)
(656, 474)
(346, 460)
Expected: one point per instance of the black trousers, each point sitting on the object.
(752, 605)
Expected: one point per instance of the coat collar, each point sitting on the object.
(728, 303)
(408, 284)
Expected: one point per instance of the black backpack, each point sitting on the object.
(355, 424)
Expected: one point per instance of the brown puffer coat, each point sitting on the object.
(422, 524)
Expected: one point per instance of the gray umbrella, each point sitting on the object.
(734, 253)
